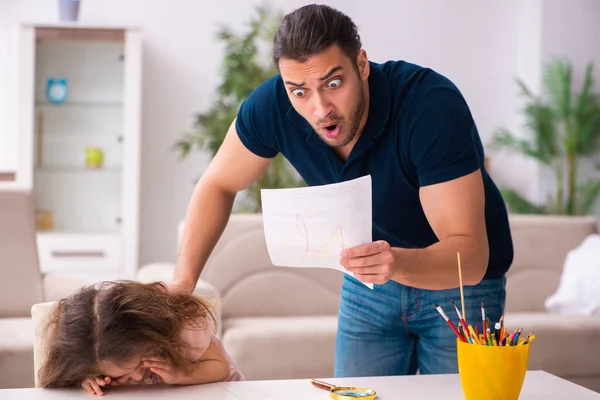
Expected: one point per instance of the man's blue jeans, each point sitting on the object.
(396, 330)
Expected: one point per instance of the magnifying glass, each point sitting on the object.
(345, 392)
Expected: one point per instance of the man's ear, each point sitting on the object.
(362, 63)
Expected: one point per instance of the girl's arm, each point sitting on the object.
(213, 366)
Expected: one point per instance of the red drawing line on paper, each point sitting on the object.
(303, 230)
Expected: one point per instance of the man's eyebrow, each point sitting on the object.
(294, 84)
(324, 77)
(331, 72)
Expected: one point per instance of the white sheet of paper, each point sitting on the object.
(309, 226)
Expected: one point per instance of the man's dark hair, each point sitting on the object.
(310, 30)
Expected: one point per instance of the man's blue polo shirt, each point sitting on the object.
(419, 132)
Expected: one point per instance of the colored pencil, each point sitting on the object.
(474, 335)
(464, 334)
(516, 338)
(529, 339)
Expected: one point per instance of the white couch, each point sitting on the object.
(22, 285)
(281, 322)
(564, 345)
(26, 295)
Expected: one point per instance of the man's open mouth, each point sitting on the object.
(332, 130)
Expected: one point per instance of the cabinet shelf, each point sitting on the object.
(79, 104)
(70, 136)
(79, 170)
(82, 206)
(65, 232)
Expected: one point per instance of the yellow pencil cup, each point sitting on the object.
(492, 372)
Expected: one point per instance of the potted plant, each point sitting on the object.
(564, 128)
(246, 64)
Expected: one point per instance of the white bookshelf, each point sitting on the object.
(94, 210)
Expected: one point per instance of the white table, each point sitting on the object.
(538, 386)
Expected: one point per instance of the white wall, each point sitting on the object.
(481, 47)
(4, 72)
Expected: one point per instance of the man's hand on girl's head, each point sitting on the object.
(179, 285)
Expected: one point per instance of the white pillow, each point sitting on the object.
(578, 292)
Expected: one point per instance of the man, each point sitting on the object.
(336, 116)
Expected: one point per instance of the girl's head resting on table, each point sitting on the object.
(106, 330)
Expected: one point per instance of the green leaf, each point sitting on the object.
(587, 196)
(557, 77)
(542, 121)
(587, 115)
(542, 141)
(243, 68)
(505, 139)
(562, 125)
(518, 204)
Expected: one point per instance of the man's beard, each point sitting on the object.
(355, 118)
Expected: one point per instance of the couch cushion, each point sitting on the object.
(282, 348)
(562, 343)
(579, 286)
(21, 283)
(250, 285)
(541, 244)
(16, 352)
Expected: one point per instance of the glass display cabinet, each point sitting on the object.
(79, 130)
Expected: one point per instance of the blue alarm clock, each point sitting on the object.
(56, 90)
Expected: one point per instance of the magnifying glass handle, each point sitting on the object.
(321, 384)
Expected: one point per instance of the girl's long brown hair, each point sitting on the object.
(117, 321)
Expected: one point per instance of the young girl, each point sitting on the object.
(127, 332)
